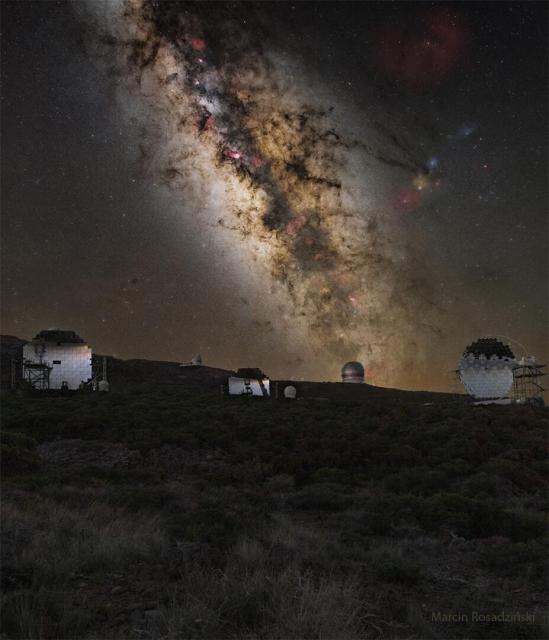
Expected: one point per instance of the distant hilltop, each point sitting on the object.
(124, 373)
(160, 372)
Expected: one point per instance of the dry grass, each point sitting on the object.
(47, 545)
(261, 602)
(40, 612)
(265, 590)
(52, 540)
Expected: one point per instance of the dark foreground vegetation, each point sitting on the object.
(172, 514)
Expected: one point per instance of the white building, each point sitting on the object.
(56, 357)
(249, 382)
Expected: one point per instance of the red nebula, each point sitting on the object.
(422, 58)
(406, 199)
(230, 153)
(293, 227)
(206, 123)
(198, 44)
(256, 161)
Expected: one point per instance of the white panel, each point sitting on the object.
(486, 377)
(242, 386)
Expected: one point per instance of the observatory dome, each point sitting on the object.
(290, 392)
(59, 336)
(352, 372)
(56, 359)
(486, 368)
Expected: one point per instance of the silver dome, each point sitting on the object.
(352, 372)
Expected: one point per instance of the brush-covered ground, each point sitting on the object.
(172, 513)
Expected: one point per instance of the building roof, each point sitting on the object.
(60, 336)
(254, 374)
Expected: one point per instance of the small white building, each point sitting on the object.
(290, 392)
(56, 359)
(249, 382)
(195, 362)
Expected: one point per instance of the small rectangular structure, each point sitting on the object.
(249, 386)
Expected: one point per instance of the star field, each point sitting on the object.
(283, 185)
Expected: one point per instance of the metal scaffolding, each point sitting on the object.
(527, 375)
(37, 373)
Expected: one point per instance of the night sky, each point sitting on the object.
(282, 185)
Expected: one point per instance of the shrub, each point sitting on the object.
(321, 496)
(508, 558)
(280, 483)
(485, 484)
(90, 474)
(449, 510)
(18, 460)
(403, 456)
(522, 525)
(517, 473)
(380, 524)
(391, 565)
(455, 468)
(384, 512)
(140, 497)
(331, 475)
(478, 518)
(20, 440)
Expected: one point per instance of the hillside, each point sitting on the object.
(172, 512)
(122, 373)
(11, 350)
(146, 373)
